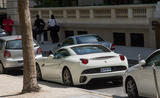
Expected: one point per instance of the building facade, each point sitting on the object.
(126, 25)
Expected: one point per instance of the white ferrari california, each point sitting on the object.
(79, 64)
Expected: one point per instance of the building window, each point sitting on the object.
(82, 32)
(119, 38)
(137, 39)
(68, 33)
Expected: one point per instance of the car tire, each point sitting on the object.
(67, 78)
(2, 70)
(39, 75)
(132, 89)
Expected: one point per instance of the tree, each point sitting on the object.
(29, 79)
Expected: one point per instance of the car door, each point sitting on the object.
(53, 64)
(146, 77)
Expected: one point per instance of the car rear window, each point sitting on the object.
(16, 44)
(89, 39)
(89, 49)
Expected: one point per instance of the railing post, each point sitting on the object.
(113, 13)
(64, 13)
(149, 12)
(130, 13)
(39, 13)
(91, 14)
(50, 12)
(77, 14)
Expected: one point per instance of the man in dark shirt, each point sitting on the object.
(39, 28)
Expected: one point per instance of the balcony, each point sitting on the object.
(116, 14)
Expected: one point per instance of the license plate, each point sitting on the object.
(108, 69)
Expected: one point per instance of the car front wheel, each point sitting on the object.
(132, 89)
(39, 75)
(67, 78)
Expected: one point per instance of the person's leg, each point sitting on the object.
(42, 38)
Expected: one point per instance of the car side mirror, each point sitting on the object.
(142, 62)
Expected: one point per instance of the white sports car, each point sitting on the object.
(79, 64)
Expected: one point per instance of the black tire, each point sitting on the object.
(67, 78)
(132, 89)
(39, 75)
(2, 70)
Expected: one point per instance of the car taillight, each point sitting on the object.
(7, 53)
(122, 57)
(112, 47)
(84, 61)
(39, 51)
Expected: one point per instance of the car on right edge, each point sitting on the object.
(139, 80)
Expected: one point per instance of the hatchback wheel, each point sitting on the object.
(132, 89)
(67, 78)
(39, 75)
(1, 68)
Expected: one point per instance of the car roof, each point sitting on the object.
(13, 37)
(80, 35)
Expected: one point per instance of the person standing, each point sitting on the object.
(53, 30)
(39, 28)
(8, 24)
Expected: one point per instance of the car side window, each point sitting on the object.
(154, 58)
(68, 41)
(61, 54)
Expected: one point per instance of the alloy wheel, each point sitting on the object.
(1, 69)
(132, 89)
(39, 75)
(67, 78)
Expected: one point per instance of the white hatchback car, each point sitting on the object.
(139, 79)
(11, 56)
(79, 64)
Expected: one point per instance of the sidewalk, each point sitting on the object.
(11, 86)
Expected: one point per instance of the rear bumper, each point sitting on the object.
(102, 76)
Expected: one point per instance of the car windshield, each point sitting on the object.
(16, 44)
(89, 39)
(89, 49)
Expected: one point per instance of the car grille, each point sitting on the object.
(98, 70)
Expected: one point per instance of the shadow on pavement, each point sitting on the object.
(15, 72)
(99, 85)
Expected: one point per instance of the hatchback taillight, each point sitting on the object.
(39, 51)
(113, 47)
(122, 57)
(84, 61)
(7, 53)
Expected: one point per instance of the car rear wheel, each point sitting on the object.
(67, 78)
(1, 68)
(132, 89)
(39, 75)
